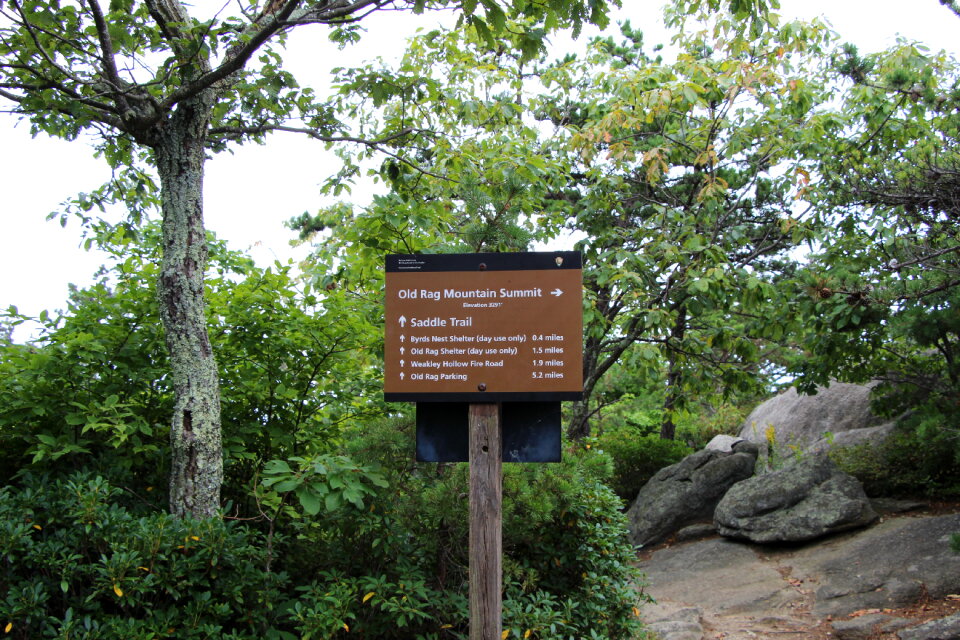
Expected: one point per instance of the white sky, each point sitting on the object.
(248, 196)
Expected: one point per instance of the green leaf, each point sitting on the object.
(309, 500)
(277, 466)
(332, 501)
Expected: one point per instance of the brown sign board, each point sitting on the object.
(483, 327)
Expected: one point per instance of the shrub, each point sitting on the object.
(636, 458)
(705, 422)
(397, 568)
(920, 458)
(79, 564)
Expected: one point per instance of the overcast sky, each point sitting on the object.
(249, 195)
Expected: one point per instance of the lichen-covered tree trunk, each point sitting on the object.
(197, 455)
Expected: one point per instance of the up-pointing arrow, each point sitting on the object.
(556, 292)
(401, 363)
(402, 350)
(402, 320)
(401, 375)
(402, 337)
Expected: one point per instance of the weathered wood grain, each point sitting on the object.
(486, 514)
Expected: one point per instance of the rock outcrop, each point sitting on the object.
(839, 415)
(746, 591)
(890, 565)
(686, 492)
(943, 629)
(807, 500)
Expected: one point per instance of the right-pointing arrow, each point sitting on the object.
(556, 292)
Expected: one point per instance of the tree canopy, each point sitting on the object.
(162, 88)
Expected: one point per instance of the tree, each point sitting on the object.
(92, 391)
(880, 297)
(685, 195)
(672, 173)
(163, 88)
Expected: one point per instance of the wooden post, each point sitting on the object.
(486, 515)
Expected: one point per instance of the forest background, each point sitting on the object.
(768, 205)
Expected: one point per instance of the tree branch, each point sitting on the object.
(106, 50)
(378, 144)
(921, 259)
(236, 132)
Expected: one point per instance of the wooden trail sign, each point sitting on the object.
(484, 329)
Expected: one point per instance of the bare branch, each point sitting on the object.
(106, 49)
(378, 144)
(922, 259)
(234, 132)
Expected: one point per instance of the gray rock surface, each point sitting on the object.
(807, 500)
(943, 629)
(746, 591)
(723, 442)
(839, 415)
(896, 505)
(673, 623)
(717, 575)
(862, 627)
(888, 565)
(696, 532)
(684, 493)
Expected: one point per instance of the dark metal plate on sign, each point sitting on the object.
(531, 432)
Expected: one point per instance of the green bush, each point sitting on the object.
(636, 458)
(386, 560)
(704, 422)
(922, 457)
(78, 564)
(92, 392)
(397, 568)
